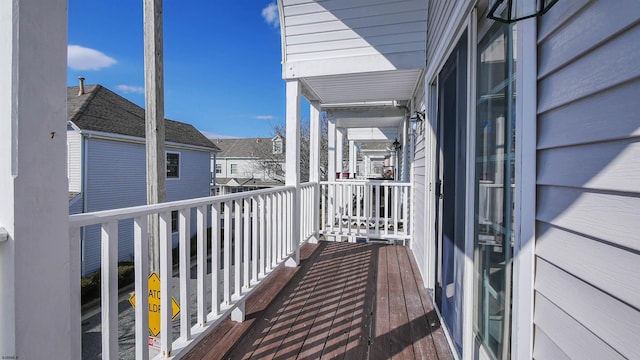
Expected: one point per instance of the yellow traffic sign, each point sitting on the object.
(154, 305)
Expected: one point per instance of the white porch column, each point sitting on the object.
(314, 141)
(405, 151)
(331, 139)
(292, 173)
(314, 165)
(353, 158)
(339, 154)
(39, 276)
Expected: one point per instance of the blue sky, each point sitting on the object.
(222, 60)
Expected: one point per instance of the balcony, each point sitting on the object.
(275, 293)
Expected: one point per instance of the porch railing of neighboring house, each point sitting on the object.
(367, 209)
(251, 230)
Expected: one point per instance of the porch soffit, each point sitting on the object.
(354, 50)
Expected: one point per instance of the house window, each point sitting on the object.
(173, 165)
(174, 221)
(233, 169)
(218, 168)
(277, 146)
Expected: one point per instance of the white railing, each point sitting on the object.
(366, 209)
(309, 211)
(251, 231)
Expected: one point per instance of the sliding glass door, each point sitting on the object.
(494, 186)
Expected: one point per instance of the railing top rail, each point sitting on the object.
(367, 182)
(85, 219)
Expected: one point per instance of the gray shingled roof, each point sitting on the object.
(245, 147)
(100, 109)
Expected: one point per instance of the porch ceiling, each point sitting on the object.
(362, 87)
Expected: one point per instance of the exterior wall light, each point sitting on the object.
(396, 144)
(416, 121)
(508, 11)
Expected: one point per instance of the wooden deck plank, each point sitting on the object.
(302, 325)
(437, 334)
(352, 299)
(401, 347)
(255, 337)
(330, 293)
(223, 339)
(380, 341)
(360, 331)
(419, 327)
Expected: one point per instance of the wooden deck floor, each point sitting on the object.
(347, 301)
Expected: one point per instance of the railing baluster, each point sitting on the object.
(278, 227)
(141, 273)
(255, 250)
(262, 230)
(75, 270)
(109, 285)
(378, 195)
(237, 248)
(184, 245)
(215, 261)
(322, 223)
(405, 211)
(246, 242)
(227, 252)
(201, 258)
(165, 284)
(270, 231)
(396, 206)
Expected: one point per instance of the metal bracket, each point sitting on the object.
(4, 234)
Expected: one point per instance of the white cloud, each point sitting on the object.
(82, 58)
(130, 89)
(264, 117)
(270, 15)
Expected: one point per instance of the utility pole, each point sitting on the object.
(154, 119)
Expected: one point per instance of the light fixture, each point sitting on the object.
(396, 144)
(508, 11)
(416, 121)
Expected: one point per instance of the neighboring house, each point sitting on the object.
(107, 165)
(248, 164)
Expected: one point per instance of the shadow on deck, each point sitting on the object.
(351, 301)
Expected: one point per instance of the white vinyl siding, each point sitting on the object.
(420, 227)
(334, 28)
(588, 218)
(440, 14)
(74, 160)
(116, 179)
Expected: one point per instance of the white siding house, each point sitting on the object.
(106, 160)
(248, 164)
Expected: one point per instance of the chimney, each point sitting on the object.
(81, 89)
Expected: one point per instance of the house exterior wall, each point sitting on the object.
(74, 160)
(440, 14)
(246, 168)
(116, 178)
(419, 186)
(587, 276)
(363, 29)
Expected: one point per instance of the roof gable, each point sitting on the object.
(246, 148)
(100, 109)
